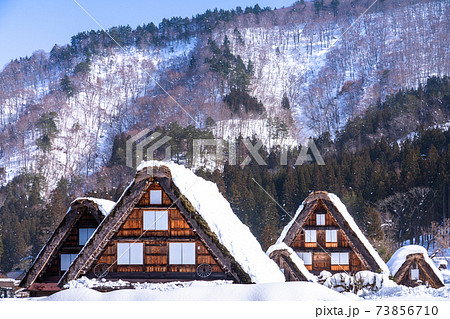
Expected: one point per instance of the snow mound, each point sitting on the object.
(231, 232)
(295, 259)
(291, 291)
(403, 293)
(399, 257)
(85, 282)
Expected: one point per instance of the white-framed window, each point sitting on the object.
(130, 253)
(414, 273)
(339, 259)
(84, 234)
(331, 236)
(66, 260)
(155, 220)
(156, 197)
(182, 253)
(310, 236)
(320, 219)
(306, 257)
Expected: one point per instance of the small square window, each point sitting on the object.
(331, 236)
(155, 197)
(320, 219)
(130, 253)
(66, 260)
(84, 234)
(310, 236)
(156, 220)
(182, 253)
(339, 259)
(306, 257)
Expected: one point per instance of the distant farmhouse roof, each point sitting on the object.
(414, 255)
(345, 221)
(99, 208)
(207, 212)
(291, 261)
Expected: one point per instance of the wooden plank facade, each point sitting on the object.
(415, 271)
(324, 241)
(156, 264)
(154, 234)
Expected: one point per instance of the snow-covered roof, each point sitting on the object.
(294, 258)
(351, 222)
(289, 225)
(105, 206)
(231, 232)
(399, 257)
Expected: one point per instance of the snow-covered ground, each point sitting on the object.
(292, 291)
(224, 291)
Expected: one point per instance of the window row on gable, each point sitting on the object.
(330, 238)
(133, 253)
(335, 259)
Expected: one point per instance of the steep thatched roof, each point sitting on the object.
(226, 257)
(291, 260)
(98, 208)
(407, 256)
(358, 242)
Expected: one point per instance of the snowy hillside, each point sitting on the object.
(329, 68)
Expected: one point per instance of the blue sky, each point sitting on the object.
(30, 25)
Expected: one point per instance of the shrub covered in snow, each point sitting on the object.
(362, 283)
(323, 276)
(340, 282)
(367, 282)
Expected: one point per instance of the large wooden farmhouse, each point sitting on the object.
(325, 237)
(411, 266)
(170, 224)
(77, 226)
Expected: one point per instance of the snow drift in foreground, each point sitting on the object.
(221, 291)
(231, 232)
(419, 293)
(399, 257)
(291, 291)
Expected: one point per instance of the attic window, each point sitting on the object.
(414, 273)
(182, 253)
(155, 197)
(66, 260)
(130, 253)
(320, 219)
(156, 220)
(84, 234)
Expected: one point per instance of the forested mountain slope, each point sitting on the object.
(282, 74)
(312, 69)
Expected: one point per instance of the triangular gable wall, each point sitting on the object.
(46, 267)
(360, 259)
(426, 274)
(124, 224)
